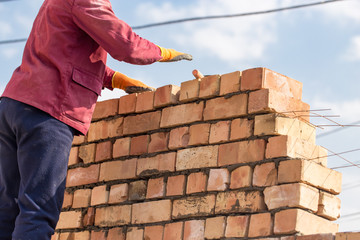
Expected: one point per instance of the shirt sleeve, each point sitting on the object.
(98, 20)
(109, 73)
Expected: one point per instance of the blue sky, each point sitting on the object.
(319, 46)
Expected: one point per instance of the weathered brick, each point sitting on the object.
(158, 142)
(230, 83)
(82, 176)
(173, 231)
(260, 225)
(189, 90)
(55, 236)
(117, 170)
(179, 138)
(218, 179)
(87, 153)
(155, 188)
(219, 132)
(80, 235)
(89, 217)
(241, 128)
(241, 177)
(139, 145)
(292, 195)
(142, 123)
(99, 195)
(106, 109)
(196, 182)
(260, 78)
(347, 236)
(198, 157)
(193, 206)
(119, 193)
(145, 102)
(199, 134)
(241, 152)
(175, 185)
(68, 199)
(292, 221)
(74, 156)
(181, 114)
(235, 106)
(236, 226)
(103, 151)
(127, 103)
(69, 220)
(137, 190)
(151, 212)
(239, 202)
(135, 233)
(153, 232)
(166, 95)
(115, 127)
(215, 227)
(113, 216)
(321, 236)
(116, 234)
(159, 163)
(79, 140)
(209, 86)
(194, 230)
(329, 206)
(98, 235)
(265, 175)
(98, 131)
(81, 198)
(121, 147)
(311, 173)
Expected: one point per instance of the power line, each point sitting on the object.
(206, 17)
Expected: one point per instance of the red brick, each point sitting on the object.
(118, 193)
(235, 106)
(154, 232)
(79, 140)
(324, 236)
(166, 95)
(137, 190)
(127, 104)
(199, 134)
(68, 199)
(159, 163)
(292, 195)
(193, 206)
(189, 90)
(98, 131)
(329, 206)
(55, 236)
(103, 151)
(116, 234)
(139, 145)
(142, 123)
(292, 221)
(239, 202)
(218, 180)
(230, 83)
(265, 175)
(241, 177)
(241, 128)
(155, 188)
(311, 173)
(118, 170)
(194, 230)
(181, 114)
(260, 225)
(113, 216)
(121, 147)
(179, 138)
(115, 127)
(81, 198)
(219, 132)
(198, 157)
(175, 185)
(241, 152)
(236, 226)
(173, 231)
(69, 220)
(81, 235)
(215, 227)
(145, 102)
(87, 153)
(106, 109)
(82, 176)
(74, 156)
(99, 195)
(158, 142)
(135, 233)
(98, 235)
(196, 182)
(151, 212)
(209, 86)
(259, 78)
(89, 217)
(347, 236)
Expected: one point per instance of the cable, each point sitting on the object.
(206, 17)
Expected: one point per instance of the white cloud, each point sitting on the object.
(5, 29)
(345, 12)
(10, 53)
(353, 52)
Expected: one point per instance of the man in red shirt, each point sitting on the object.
(50, 97)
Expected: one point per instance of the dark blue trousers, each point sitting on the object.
(34, 152)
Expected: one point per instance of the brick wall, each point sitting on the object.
(227, 157)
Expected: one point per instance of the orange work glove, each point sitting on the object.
(170, 55)
(129, 85)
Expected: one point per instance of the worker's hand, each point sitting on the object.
(170, 55)
(129, 85)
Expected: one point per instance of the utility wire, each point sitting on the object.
(207, 17)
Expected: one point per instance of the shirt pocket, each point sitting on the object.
(81, 96)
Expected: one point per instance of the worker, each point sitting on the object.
(51, 97)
